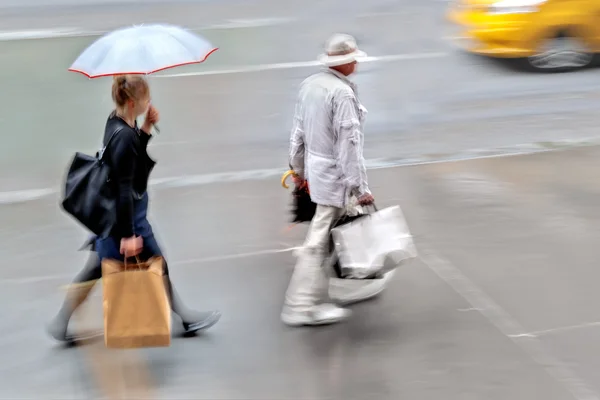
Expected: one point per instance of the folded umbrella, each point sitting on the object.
(303, 210)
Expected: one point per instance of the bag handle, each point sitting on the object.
(138, 263)
(375, 209)
(373, 206)
(102, 151)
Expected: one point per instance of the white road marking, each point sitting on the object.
(20, 196)
(38, 34)
(249, 23)
(302, 64)
(52, 33)
(561, 329)
(235, 256)
(508, 325)
(454, 38)
(186, 262)
(35, 279)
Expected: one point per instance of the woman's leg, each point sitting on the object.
(82, 285)
(192, 320)
(77, 292)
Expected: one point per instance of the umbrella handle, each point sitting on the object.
(285, 176)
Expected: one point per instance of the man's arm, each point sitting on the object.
(350, 144)
(297, 145)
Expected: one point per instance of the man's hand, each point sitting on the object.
(298, 181)
(366, 199)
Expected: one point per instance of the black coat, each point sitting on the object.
(130, 169)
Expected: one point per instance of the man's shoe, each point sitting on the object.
(322, 314)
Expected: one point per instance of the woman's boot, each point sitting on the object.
(76, 295)
(193, 321)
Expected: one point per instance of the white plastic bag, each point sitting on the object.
(374, 244)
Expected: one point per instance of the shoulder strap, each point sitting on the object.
(102, 151)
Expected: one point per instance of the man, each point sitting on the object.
(326, 150)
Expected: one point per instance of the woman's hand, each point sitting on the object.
(152, 118)
(131, 246)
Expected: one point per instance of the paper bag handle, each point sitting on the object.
(138, 263)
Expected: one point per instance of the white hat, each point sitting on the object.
(340, 49)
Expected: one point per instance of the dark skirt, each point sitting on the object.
(110, 247)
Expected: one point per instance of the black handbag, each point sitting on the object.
(89, 193)
(303, 209)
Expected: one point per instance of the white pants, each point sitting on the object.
(310, 281)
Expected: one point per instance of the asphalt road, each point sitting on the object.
(430, 102)
(499, 306)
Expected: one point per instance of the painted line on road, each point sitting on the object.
(38, 34)
(562, 329)
(183, 181)
(65, 32)
(249, 23)
(235, 256)
(303, 64)
(183, 263)
(226, 24)
(19, 196)
(507, 325)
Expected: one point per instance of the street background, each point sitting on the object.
(502, 302)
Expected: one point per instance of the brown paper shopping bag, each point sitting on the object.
(136, 305)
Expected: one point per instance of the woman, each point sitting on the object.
(132, 234)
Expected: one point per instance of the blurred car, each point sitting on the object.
(551, 35)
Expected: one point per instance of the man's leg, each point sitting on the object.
(307, 291)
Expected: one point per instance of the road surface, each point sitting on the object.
(501, 303)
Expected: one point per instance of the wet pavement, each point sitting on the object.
(431, 103)
(500, 305)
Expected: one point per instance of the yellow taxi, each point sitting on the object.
(551, 35)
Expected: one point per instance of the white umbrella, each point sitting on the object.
(143, 49)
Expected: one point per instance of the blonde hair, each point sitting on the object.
(129, 87)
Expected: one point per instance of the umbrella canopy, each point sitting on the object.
(142, 49)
